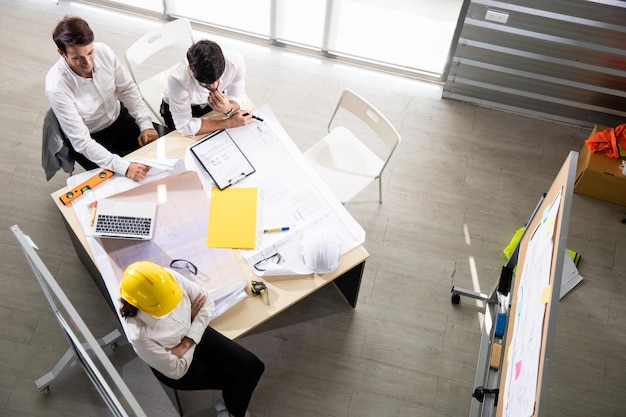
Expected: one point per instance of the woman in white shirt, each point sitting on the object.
(167, 323)
(208, 79)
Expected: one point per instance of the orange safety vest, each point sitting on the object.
(611, 141)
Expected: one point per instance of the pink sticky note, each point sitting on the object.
(518, 368)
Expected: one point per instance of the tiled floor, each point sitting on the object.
(405, 350)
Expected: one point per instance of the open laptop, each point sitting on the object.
(124, 219)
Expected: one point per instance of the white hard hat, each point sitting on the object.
(320, 250)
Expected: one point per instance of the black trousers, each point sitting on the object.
(120, 138)
(166, 114)
(220, 363)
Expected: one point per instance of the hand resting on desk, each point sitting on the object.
(137, 171)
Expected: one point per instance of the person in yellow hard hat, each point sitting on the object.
(167, 318)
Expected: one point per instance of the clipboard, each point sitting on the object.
(222, 159)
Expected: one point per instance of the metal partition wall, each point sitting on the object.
(563, 60)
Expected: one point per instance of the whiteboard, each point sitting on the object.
(532, 318)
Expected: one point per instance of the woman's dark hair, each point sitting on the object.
(206, 61)
(72, 31)
(127, 309)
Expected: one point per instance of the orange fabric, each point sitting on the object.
(609, 141)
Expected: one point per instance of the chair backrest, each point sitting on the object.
(370, 115)
(156, 40)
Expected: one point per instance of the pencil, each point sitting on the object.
(93, 213)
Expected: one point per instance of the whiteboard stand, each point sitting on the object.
(490, 384)
(84, 348)
(69, 359)
(486, 379)
(504, 282)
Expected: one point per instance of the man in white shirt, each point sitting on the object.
(84, 89)
(167, 323)
(208, 79)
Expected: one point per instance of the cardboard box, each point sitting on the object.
(599, 176)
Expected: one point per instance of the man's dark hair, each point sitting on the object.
(206, 61)
(127, 309)
(72, 31)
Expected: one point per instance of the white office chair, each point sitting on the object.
(151, 78)
(345, 162)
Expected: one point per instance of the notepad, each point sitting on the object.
(232, 218)
(222, 159)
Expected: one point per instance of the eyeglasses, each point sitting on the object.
(273, 259)
(184, 264)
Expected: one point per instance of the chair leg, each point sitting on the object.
(172, 394)
(380, 190)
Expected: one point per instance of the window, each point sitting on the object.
(410, 36)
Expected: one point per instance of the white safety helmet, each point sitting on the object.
(320, 250)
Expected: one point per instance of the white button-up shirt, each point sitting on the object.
(183, 91)
(152, 338)
(84, 105)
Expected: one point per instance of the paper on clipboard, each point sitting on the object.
(224, 161)
(232, 218)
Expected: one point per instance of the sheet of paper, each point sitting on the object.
(182, 206)
(525, 349)
(291, 195)
(232, 218)
(117, 184)
(570, 277)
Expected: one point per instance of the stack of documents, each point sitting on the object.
(570, 277)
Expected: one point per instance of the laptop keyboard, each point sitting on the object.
(120, 225)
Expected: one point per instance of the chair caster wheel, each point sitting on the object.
(456, 298)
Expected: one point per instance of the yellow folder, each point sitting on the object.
(232, 218)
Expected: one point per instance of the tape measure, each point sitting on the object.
(259, 288)
(99, 178)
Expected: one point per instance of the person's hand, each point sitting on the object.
(197, 305)
(240, 118)
(147, 136)
(219, 101)
(180, 349)
(137, 172)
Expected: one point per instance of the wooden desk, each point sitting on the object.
(284, 291)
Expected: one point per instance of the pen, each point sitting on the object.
(93, 213)
(254, 117)
(276, 229)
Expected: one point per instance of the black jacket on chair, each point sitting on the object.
(55, 149)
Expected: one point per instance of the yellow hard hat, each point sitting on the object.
(150, 288)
